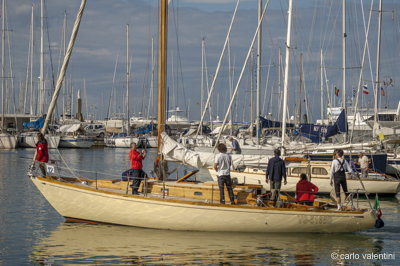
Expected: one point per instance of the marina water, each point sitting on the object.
(33, 233)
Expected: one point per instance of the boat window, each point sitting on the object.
(300, 170)
(197, 193)
(319, 171)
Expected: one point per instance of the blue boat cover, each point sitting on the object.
(266, 123)
(35, 124)
(146, 129)
(319, 132)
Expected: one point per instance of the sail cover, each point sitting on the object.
(270, 124)
(319, 132)
(35, 124)
(176, 152)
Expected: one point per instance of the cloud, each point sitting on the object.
(102, 38)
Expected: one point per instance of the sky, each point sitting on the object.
(98, 64)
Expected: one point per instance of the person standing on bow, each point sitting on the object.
(222, 164)
(42, 153)
(339, 168)
(276, 171)
(136, 172)
(235, 146)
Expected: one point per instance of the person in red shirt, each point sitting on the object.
(305, 191)
(136, 171)
(42, 153)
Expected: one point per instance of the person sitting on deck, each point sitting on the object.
(305, 191)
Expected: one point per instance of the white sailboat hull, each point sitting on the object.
(8, 141)
(125, 142)
(88, 204)
(323, 184)
(30, 140)
(148, 142)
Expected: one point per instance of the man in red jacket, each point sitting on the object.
(305, 191)
(136, 172)
(42, 153)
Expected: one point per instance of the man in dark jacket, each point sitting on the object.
(276, 170)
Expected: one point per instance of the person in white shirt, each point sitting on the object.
(222, 165)
(339, 168)
(364, 164)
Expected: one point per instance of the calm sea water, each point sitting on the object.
(32, 233)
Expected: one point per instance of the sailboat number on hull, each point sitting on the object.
(314, 219)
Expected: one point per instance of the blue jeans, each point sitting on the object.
(225, 179)
(137, 175)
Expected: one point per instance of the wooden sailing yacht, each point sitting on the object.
(182, 205)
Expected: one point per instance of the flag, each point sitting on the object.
(382, 91)
(377, 207)
(337, 91)
(378, 212)
(365, 89)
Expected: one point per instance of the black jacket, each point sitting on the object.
(276, 169)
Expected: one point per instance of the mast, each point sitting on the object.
(41, 74)
(322, 90)
(258, 93)
(3, 65)
(378, 60)
(230, 87)
(286, 77)
(162, 70)
(28, 69)
(31, 61)
(202, 82)
(344, 64)
(64, 47)
(298, 119)
(151, 98)
(127, 79)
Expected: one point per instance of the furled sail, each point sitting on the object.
(176, 152)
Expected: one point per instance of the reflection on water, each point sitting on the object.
(31, 232)
(86, 243)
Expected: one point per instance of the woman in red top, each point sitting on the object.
(42, 153)
(136, 171)
(305, 191)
